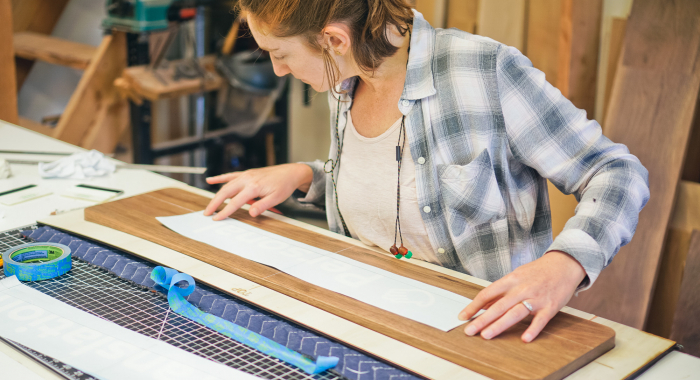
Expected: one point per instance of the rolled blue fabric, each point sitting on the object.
(37, 261)
(168, 279)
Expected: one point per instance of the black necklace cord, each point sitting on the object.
(400, 145)
(401, 251)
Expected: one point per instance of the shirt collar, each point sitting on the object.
(419, 74)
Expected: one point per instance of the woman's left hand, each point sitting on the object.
(547, 284)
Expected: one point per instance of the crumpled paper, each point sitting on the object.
(78, 166)
(5, 171)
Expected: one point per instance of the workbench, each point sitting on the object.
(633, 351)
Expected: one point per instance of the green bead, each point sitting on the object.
(398, 256)
(409, 255)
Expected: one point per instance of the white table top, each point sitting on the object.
(675, 365)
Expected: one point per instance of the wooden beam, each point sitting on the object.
(93, 117)
(38, 16)
(36, 46)
(8, 84)
(653, 101)
(505, 21)
(579, 41)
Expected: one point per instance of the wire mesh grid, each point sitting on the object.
(145, 311)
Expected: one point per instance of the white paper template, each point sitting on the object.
(25, 195)
(94, 345)
(394, 293)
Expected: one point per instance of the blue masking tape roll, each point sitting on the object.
(168, 279)
(37, 261)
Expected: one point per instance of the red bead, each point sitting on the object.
(403, 250)
(393, 250)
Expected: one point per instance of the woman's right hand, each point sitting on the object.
(272, 184)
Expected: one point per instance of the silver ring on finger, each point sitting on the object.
(528, 306)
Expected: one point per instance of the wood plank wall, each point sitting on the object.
(651, 111)
(8, 84)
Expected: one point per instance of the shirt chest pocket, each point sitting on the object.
(470, 193)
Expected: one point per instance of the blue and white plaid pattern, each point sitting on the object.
(491, 129)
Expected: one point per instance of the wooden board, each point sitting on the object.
(142, 81)
(96, 115)
(504, 20)
(567, 343)
(463, 15)
(42, 47)
(544, 26)
(652, 105)
(8, 84)
(579, 40)
(686, 324)
(617, 36)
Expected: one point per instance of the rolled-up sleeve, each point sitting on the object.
(317, 192)
(549, 134)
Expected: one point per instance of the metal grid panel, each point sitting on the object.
(145, 311)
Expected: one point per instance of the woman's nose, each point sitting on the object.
(280, 69)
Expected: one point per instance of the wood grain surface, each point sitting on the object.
(8, 81)
(686, 324)
(42, 47)
(651, 111)
(566, 344)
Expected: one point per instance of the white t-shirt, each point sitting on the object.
(367, 192)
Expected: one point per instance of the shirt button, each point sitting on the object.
(426, 209)
(421, 160)
(440, 250)
(405, 103)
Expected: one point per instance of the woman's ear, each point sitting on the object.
(336, 37)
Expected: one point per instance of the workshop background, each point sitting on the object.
(181, 83)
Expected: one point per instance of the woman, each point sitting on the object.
(470, 130)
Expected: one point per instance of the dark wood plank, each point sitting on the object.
(651, 111)
(567, 343)
(686, 324)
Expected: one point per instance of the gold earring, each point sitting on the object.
(337, 52)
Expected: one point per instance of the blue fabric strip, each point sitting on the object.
(168, 279)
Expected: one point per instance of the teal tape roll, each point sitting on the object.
(168, 278)
(37, 261)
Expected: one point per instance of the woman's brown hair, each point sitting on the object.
(367, 19)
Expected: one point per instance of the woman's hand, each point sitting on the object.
(273, 184)
(547, 283)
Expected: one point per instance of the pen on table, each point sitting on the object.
(58, 212)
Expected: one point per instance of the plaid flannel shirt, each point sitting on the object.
(486, 130)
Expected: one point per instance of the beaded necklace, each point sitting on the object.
(401, 251)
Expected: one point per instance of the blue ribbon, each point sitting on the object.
(167, 278)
